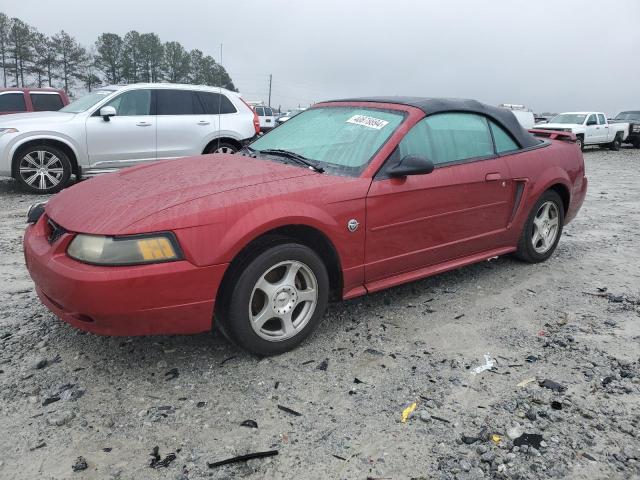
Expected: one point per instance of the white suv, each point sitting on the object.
(121, 126)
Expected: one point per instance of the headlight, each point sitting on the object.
(8, 130)
(636, 128)
(127, 250)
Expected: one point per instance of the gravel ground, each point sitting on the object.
(573, 320)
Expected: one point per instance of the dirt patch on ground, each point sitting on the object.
(573, 320)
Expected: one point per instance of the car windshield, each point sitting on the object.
(577, 118)
(628, 116)
(340, 139)
(85, 102)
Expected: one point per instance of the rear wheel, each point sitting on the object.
(542, 231)
(615, 145)
(276, 300)
(42, 169)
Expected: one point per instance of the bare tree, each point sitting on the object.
(131, 57)
(176, 63)
(5, 28)
(20, 49)
(109, 56)
(71, 56)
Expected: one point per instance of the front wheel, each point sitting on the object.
(222, 147)
(542, 231)
(276, 300)
(42, 169)
(580, 142)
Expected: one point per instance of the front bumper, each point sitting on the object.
(158, 299)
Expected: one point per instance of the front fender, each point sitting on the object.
(77, 149)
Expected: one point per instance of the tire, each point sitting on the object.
(42, 169)
(580, 142)
(222, 147)
(266, 313)
(636, 143)
(615, 145)
(535, 249)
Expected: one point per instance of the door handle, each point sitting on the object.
(492, 177)
(203, 122)
(143, 124)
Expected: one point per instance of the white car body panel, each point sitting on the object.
(100, 145)
(600, 133)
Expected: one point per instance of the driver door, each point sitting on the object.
(593, 131)
(461, 208)
(126, 139)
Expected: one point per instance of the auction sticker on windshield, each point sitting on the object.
(366, 121)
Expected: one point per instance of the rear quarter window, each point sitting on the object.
(215, 103)
(504, 142)
(46, 102)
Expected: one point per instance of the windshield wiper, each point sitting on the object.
(293, 156)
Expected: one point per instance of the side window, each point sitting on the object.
(448, 137)
(416, 142)
(212, 105)
(45, 102)
(178, 102)
(132, 103)
(601, 119)
(592, 119)
(458, 136)
(12, 102)
(504, 142)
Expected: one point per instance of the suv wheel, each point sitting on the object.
(276, 300)
(42, 169)
(222, 147)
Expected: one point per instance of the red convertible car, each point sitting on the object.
(347, 198)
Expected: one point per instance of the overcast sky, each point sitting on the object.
(549, 55)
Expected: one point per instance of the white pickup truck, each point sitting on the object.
(590, 128)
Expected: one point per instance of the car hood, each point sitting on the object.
(34, 119)
(110, 203)
(558, 125)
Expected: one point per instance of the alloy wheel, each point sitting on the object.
(545, 227)
(283, 301)
(41, 169)
(224, 149)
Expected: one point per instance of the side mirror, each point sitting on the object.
(107, 112)
(411, 165)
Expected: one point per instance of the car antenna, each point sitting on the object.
(219, 96)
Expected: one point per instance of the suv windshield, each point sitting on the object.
(87, 101)
(569, 118)
(628, 116)
(340, 139)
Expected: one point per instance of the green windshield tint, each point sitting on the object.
(86, 102)
(340, 138)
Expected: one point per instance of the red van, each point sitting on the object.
(18, 100)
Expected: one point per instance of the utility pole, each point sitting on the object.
(270, 78)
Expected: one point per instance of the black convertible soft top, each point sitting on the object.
(430, 106)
